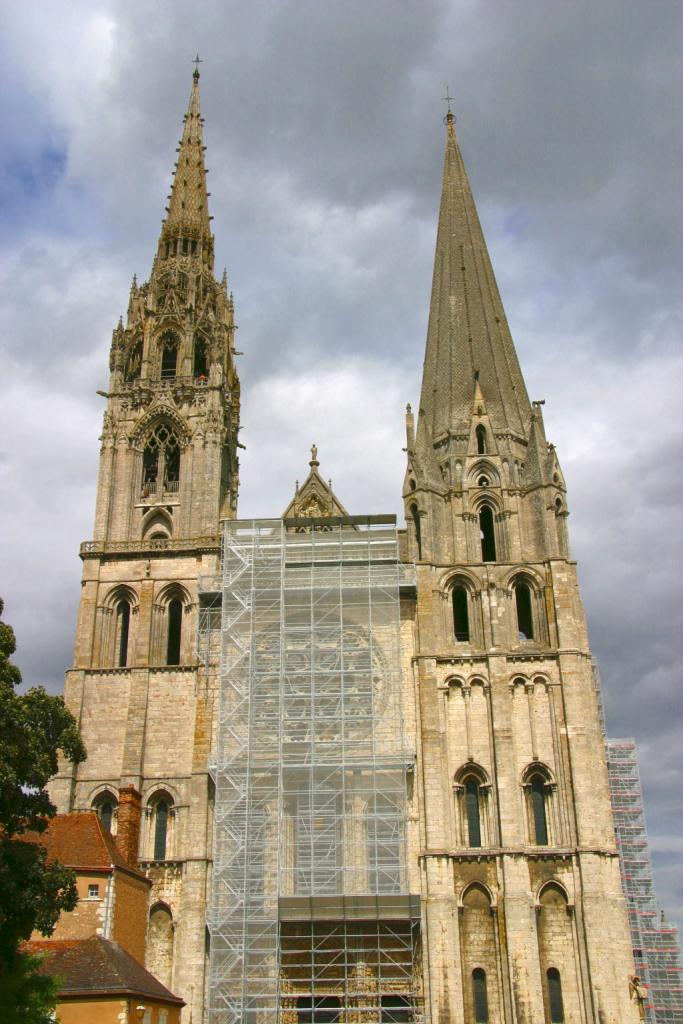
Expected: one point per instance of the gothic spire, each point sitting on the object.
(468, 336)
(187, 213)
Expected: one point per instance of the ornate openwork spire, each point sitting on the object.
(467, 330)
(187, 214)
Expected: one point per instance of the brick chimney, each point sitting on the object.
(128, 831)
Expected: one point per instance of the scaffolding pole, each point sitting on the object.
(656, 948)
(310, 916)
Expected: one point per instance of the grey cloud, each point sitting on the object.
(325, 149)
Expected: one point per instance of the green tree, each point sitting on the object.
(33, 893)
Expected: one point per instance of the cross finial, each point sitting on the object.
(450, 117)
(197, 61)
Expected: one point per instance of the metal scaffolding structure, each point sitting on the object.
(311, 918)
(656, 947)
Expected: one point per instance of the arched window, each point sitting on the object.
(480, 996)
(483, 481)
(318, 847)
(538, 809)
(395, 1009)
(169, 356)
(200, 367)
(160, 943)
(175, 628)
(418, 530)
(461, 617)
(161, 813)
(161, 461)
(106, 812)
(470, 791)
(523, 605)
(555, 1003)
(122, 632)
(472, 811)
(478, 956)
(105, 808)
(487, 534)
(384, 846)
(480, 434)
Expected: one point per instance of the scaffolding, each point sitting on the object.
(656, 948)
(311, 917)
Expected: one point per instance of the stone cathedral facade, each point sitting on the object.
(504, 903)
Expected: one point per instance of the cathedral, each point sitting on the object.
(361, 763)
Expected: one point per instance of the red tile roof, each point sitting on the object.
(80, 840)
(98, 967)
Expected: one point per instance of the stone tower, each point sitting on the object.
(413, 817)
(523, 915)
(168, 473)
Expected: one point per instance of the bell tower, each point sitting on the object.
(523, 914)
(168, 475)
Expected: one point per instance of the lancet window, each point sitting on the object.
(523, 606)
(134, 362)
(538, 810)
(415, 515)
(200, 367)
(161, 461)
(169, 356)
(122, 632)
(461, 615)
(160, 811)
(480, 996)
(160, 943)
(105, 806)
(174, 631)
(539, 788)
(487, 534)
(384, 846)
(555, 1002)
(480, 434)
(471, 794)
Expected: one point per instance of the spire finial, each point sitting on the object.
(197, 61)
(314, 456)
(450, 116)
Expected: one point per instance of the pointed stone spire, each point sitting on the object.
(188, 210)
(468, 333)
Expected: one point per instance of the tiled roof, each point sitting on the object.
(80, 840)
(95, 966)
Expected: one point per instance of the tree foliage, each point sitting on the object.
(34, 726)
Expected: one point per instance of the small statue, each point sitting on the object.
(638, 992)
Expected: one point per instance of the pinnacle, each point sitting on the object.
(467, 337)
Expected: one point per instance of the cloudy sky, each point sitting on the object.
(325, 143)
